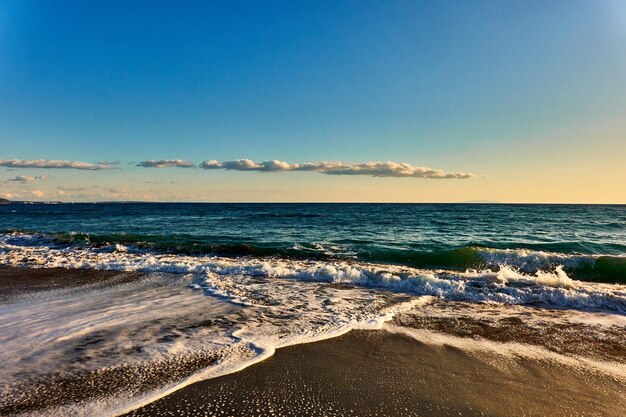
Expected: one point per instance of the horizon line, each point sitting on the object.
(308, 202)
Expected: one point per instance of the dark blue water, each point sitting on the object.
(588, 240)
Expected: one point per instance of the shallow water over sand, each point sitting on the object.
(108, 307)
(109, 346)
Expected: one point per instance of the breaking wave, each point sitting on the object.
(608, 268)
(507, 276)
(146, 338)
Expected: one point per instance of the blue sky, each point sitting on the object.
(506, 90)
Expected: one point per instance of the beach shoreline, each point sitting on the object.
(19, 282)
(439, 359)
(391, 374)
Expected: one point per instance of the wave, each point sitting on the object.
(152, 323)
(509, 283)
(609, 268)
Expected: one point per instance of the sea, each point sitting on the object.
(221, 286)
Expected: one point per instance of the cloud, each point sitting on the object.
(52, 164)
(166, 163)
(374, 169)
(26, 178)
(37, 193)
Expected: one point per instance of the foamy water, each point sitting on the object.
(507, 285)
(168, 317)
(234, 312)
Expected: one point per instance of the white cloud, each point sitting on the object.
(52, 164)
(37, 193)
(26, 178)
(166, 163)
(374, 169)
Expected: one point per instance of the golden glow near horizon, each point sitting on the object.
(584, 165)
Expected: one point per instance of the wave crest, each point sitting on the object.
(591, 267)
(505, 284)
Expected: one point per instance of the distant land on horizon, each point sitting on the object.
(4, 201)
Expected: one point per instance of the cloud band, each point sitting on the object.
(26, 178)
(166, 163)
(51, 164)
(374, 169)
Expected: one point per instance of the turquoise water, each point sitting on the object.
(588, 241)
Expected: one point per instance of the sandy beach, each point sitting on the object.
(390, 374)
(439, 359)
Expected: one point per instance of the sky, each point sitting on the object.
(398, 101)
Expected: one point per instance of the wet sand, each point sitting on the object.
(566, 332)
(19, 282)
(376, 373)
(363, 373)
(43, 392)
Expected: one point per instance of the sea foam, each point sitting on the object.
(507, 285)
(239, 310)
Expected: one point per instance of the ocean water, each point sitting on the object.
(237, 281)
(588, 241)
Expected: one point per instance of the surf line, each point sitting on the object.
(225, 366)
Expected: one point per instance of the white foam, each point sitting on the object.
(130, 319)
(530, 261)
(508, 285)
(265, 304)
(511, 350)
